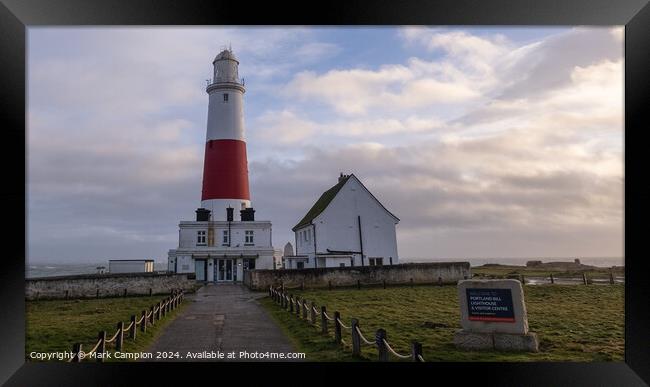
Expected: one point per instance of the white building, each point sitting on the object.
(347, 226)
(225, 239)
(130, 266)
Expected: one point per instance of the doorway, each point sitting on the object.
(224, 271)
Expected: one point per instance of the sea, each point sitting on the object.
(52, 269)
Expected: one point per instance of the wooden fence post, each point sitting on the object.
(150, 292)
(329, 285)
(298, 306)
(411, 281)
(337, 328)
(439, 281)
(270, 291)
(584, 278)
(119, 342)
(416, 351)
(523, 280)
(153, 316)
(101, 350)
(97, 292)
(313, 313)
(159, 307)
(323, 319)
(291, 300)
(380, 336)
(358, 285)
(552, 279)
(124, 292)
(384, 284)
(134, 329)
(76, 350)
(143, 326)
(611, 278)
(356, 340)
(304, 309)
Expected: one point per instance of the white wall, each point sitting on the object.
(261, 234)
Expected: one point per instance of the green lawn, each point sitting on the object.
(573, 322)
(55, 325)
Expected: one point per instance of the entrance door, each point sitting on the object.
(225, 269)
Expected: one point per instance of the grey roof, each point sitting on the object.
(225, 54)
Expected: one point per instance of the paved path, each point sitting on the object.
(222, 317)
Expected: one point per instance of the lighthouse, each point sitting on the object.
(225, 241)
(225, 166)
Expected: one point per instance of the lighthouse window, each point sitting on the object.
(200, 237)
(225, 97)
(249, 238)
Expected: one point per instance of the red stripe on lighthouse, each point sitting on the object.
(225, 170)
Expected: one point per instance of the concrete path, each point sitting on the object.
(225, 318)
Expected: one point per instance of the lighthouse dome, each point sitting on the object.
(224, 55)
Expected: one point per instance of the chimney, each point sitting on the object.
(341, 177)
(247, 214)
(229, 214)
(202, 215)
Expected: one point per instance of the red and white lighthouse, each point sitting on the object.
(225, 168)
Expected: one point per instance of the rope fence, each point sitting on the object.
(309, 312)
(146, 318)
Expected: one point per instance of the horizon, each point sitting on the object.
(486, 142)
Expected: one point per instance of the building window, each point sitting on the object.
(225, 97)
(225, 238)
(376, 261)
(249, 238)
(341, 264)
(200, 237)
(300, 265)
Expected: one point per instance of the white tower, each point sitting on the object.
(225, 168)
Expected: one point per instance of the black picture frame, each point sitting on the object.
(17, 15)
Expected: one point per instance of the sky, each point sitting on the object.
(485, 142)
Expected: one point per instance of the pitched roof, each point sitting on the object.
(322, 203)
(325, 199)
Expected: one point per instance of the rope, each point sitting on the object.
(155, 310)
(114, 336)
(94, 349)
(149, 314)
(328, 317)
(343, 325)
(125, 329)
(140, 320)
(421, 359)
(315, 310)
(391, 350)
(363, 338)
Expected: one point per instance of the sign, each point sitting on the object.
(490, 305)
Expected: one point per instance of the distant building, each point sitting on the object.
(130, 266)
(347, 226)
(288, 252)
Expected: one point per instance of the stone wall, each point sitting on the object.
(105, 285)
(421, 273)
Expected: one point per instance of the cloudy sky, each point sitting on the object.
(485, 142)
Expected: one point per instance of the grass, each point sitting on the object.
(55, 325)
(573, 322)
(499, 271)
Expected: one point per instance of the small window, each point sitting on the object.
(300, 265)
(225, 238)
(376, 261)
(249, 238)
(225, 97)
(341, 264)
(200, 237)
